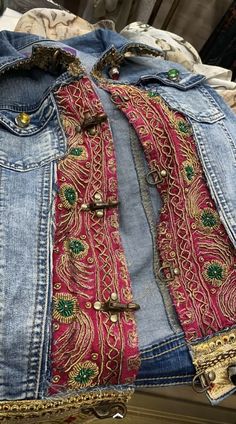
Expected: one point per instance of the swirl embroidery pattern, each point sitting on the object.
(198, 260)
(91, 346)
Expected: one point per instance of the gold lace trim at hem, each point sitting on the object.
(59, 409)
(212, 359)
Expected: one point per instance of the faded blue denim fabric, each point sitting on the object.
(27, 178)
(165, 363)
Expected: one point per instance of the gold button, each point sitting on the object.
(22, 120)
(211, 375)
(97, 197)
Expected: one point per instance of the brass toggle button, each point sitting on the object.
(115, 307)
(98, 205)
(90, 122)
(22, 120)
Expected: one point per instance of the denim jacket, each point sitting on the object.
(28, 188)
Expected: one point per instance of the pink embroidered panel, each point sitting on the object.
(197, 260)
(92, 344)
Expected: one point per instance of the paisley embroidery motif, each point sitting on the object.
(78, 153)
(189, 172)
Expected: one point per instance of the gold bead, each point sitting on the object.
(97, 197)
(94, 356)
(114, 296)
(92, 131)
(211, 375)
(163, 173)
(84, 207)
(97, 305)
(176, 271)
(22, 120)
(56, 378)
(99, 213)
(114, 318)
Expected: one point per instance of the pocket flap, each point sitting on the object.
(39, 142)
(189, 95)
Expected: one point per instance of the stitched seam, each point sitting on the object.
(163, 353)
(160, 345)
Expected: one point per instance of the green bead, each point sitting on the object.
(215, 271)
(76, 151)
(189, 172)
(208, 219)
(70, 195)
(76, 246)
(84, 375)
(151, 94)
(183, 127)
(65, 308)
(173, 74)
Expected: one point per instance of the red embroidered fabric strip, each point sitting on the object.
(90, 346)
(197, 258)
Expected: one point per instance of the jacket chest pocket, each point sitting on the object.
(30, 137)
(188, 95)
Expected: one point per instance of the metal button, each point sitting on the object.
(211, 375)
(22, 120)
(97, 305)
(114, 318)
(173, 74)
(114, 73)
(163, 173)
(114, 296)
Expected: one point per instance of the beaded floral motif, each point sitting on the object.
(208, 220)
(64, 307)
(77, 248)
(199, 260)
(215, 273)
(189, 173)
(83, 375)
(68, 196)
